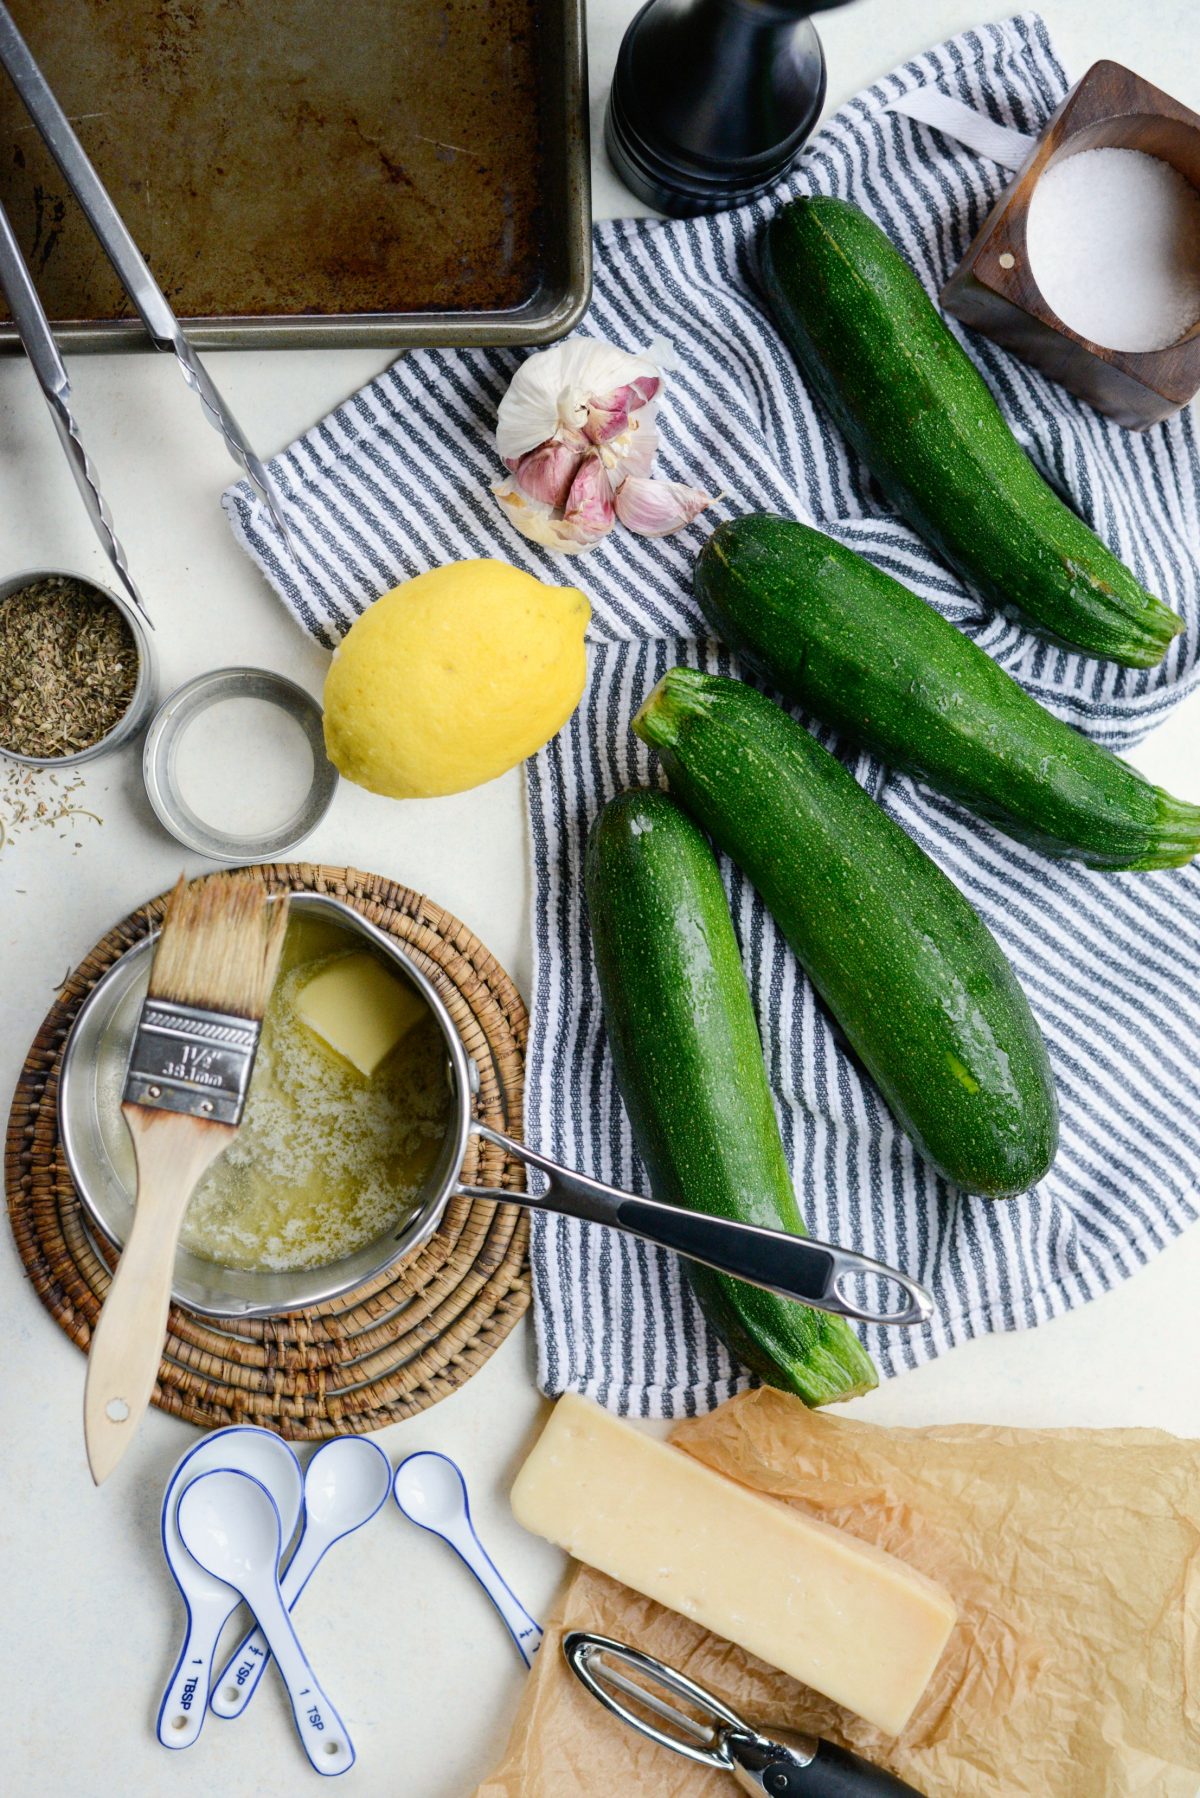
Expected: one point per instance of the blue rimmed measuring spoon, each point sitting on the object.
(345, 1485)
(229, 1524)
(210, 1602)
(432, 1493)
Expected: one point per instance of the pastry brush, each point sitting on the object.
(185, 1092)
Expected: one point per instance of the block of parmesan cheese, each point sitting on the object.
(837, 1613)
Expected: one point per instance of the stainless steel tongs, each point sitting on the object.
(781, 1764)
(133, 271)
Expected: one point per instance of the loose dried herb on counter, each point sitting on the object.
(36, 799)
(68, 667)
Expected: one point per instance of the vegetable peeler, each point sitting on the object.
(781, 1764)
(132, 269)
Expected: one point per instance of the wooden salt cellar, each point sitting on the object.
(993, 290)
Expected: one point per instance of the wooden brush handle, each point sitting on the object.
(172, 1151)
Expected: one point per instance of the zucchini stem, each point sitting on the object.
(1175, 834)
(680, 692)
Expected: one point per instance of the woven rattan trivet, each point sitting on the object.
(378, 1354)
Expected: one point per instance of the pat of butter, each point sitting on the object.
(836, 1613)
(360, 1010)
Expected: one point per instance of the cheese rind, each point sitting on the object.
(360, 1009)
(837, 1613)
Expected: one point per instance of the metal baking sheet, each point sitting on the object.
(306, 172)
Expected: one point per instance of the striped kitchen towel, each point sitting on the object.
(396, 481)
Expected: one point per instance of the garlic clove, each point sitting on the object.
(608, 415)
(537, 521)
(546, 473)
(603, 423)
(656, 508)
(633, 452)
(589, 504)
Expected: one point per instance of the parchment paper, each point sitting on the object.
(1074, 1558)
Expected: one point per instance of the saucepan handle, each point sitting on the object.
(795, 1267)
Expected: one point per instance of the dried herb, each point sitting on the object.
(68, 667)
(36, 799)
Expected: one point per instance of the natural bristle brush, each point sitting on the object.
(185, 1092)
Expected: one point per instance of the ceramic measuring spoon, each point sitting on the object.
(230, 1526)
(210, 1603)
(432, 1493)
(345, 1483)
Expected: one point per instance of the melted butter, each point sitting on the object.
(325, 1160)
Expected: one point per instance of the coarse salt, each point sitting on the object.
(1113, 239)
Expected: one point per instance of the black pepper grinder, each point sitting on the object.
(712, 99)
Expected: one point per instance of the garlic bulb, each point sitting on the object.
(575, 429)
(555, 390)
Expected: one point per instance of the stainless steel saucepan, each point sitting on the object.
(94, 1141)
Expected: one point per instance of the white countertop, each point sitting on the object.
(422, 1671)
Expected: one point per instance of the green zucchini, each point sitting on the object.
(689, 1064)
(912, 403)
(918, 984)
(862, 653)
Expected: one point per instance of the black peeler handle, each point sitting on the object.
(836, 1773)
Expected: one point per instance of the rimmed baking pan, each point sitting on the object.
(302, 173)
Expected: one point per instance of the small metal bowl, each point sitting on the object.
(140, 706)
(178, 713)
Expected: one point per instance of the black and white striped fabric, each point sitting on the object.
(396, 481)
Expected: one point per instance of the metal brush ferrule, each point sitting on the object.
(190, 1060)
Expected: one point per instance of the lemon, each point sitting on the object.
(454, 677)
